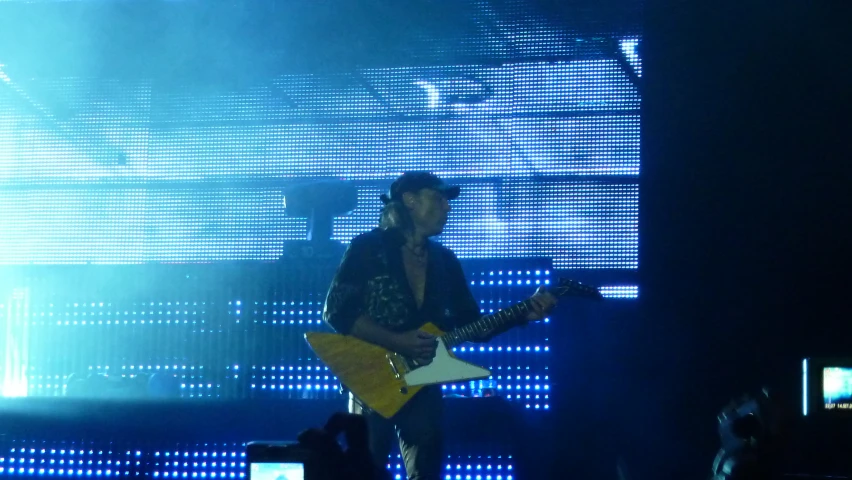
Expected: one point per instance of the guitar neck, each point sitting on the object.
(486, 324)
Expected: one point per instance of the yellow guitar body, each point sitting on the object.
(384, 380)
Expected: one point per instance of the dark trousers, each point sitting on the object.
(418, 428)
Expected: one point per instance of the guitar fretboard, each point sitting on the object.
(490, 323)
(486, 324)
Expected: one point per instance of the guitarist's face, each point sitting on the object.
(429, 209)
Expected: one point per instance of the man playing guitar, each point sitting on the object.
(393, 280)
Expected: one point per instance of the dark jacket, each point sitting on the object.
(371, 280)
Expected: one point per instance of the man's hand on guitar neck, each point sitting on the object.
(541, 305)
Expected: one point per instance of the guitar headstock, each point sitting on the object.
(566, 287)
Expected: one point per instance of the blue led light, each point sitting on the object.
(620, 291)
(151, 461)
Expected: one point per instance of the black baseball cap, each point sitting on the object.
(416, 181)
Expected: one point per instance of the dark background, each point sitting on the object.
(745, 212)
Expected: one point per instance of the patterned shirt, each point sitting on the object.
(371, 280)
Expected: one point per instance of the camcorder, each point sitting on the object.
(280, 461)
(317, 455)
(827, 387)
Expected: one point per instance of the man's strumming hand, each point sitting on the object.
(417, 345)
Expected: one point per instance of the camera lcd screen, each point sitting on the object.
(837, 388)
(277, 471)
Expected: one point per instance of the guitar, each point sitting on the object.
(385, 381)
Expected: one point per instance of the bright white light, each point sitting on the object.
(620, 291)
(432, 92)
(630, 48)
(15, 379)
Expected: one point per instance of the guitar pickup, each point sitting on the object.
(392, 363)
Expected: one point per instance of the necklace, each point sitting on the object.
(419, 256)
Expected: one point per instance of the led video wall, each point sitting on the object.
(143, 225)
(548, 161)
(107, 173)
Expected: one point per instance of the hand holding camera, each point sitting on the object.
(318, 455)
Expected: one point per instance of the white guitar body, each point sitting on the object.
(445, 368)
